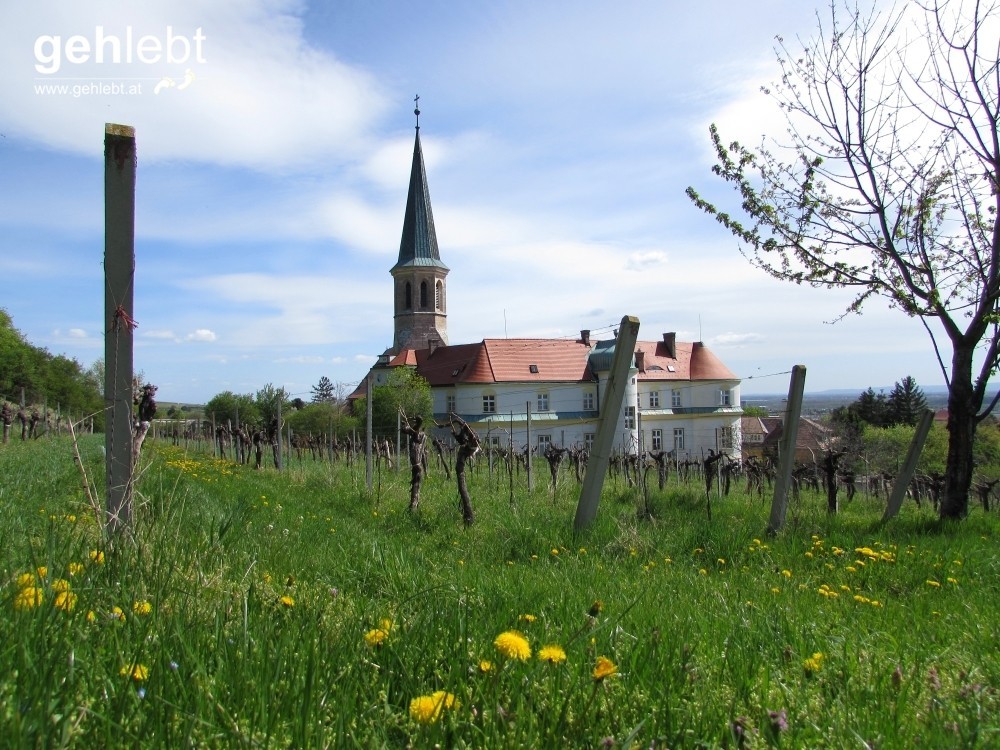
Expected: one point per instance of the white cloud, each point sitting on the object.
(730, 339)
(260, 95)
(201, 334)
(160, 334)
(645, 260)
(77, 333)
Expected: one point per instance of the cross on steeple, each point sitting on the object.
(416, 109)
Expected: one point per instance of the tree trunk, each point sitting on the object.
(963, 406)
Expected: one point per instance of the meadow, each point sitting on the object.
(257, 609)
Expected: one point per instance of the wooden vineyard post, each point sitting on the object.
(119, 273)
(909, 466)
(786, 461)
(600, 455)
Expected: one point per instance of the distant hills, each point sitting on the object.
(818, 403)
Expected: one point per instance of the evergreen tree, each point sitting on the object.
(324, 391)
(906, 402)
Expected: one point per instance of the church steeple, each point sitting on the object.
(419, 275)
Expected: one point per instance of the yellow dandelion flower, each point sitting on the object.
(427, 709)
(513, 645)
(65, 600)
(875, 603)
(376, 637)
(75, 568)
(385, 624)
(786, 573)
(527, 618)
(814, 663)
(97, 556)
(137, 672)
(142, 608)
(934, 584)
(117, 613)
(286, 601)
(28, 597)
(42, 571)
(91, 616)
(603, 669)
(702, 572)
(555, 550)
(485, 666)
(809, 555)
(775, 590)
(953, 581)
(552, 653)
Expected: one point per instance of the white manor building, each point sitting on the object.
(680, 397)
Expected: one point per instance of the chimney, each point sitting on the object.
(433, 344)
(640, 360)
(585, 336)
(383, 360)
(670, 342)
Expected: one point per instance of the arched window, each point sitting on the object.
(439, 296)
(408, 297)
(423, 295)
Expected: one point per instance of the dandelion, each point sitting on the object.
(813, 664)
(136, 672)
(142, 608)
(28, 597)
(513, 645)
(286, 601)
(91, 616)
(25, 579)
(786, 573)
(65, 600)
(953, 581)
(427, 709)
(117, 613)
(702, 572)
(603, 669)
(933, 584)
(528, 618)
(485, 666)
(553, 654)
(97, 556)
(376, 637)
(75, 568)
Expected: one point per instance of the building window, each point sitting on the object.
(588, 401)
(489, 404)
(678, 439)
(656, 437)
(439, 296)
(654, 399)
(449, 403)
(629, 417)
(675, 398)
(725, 397)
(544, 441)
(588, 441)
(495, 441)
(423, 295)
(724, 438)
(543, 402)
(408, 297)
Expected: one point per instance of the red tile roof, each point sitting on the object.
(504, 361)
(693, 361)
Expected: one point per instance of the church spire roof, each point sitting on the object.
(418, 245)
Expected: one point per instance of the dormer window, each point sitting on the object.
(533, 369)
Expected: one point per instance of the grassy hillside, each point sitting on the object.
(257, 609)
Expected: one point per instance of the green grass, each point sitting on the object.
(262, 587)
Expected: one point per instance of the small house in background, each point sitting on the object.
(811, 441)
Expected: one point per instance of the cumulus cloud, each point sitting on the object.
(216, 64)
(201, 334)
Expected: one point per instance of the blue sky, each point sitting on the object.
(274, 141)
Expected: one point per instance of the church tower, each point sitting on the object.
(420, 310)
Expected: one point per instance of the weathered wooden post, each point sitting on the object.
(527, 444)
(597, 466)
(119, 274)
(909, 466)
(789, 436)
(368, 432)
